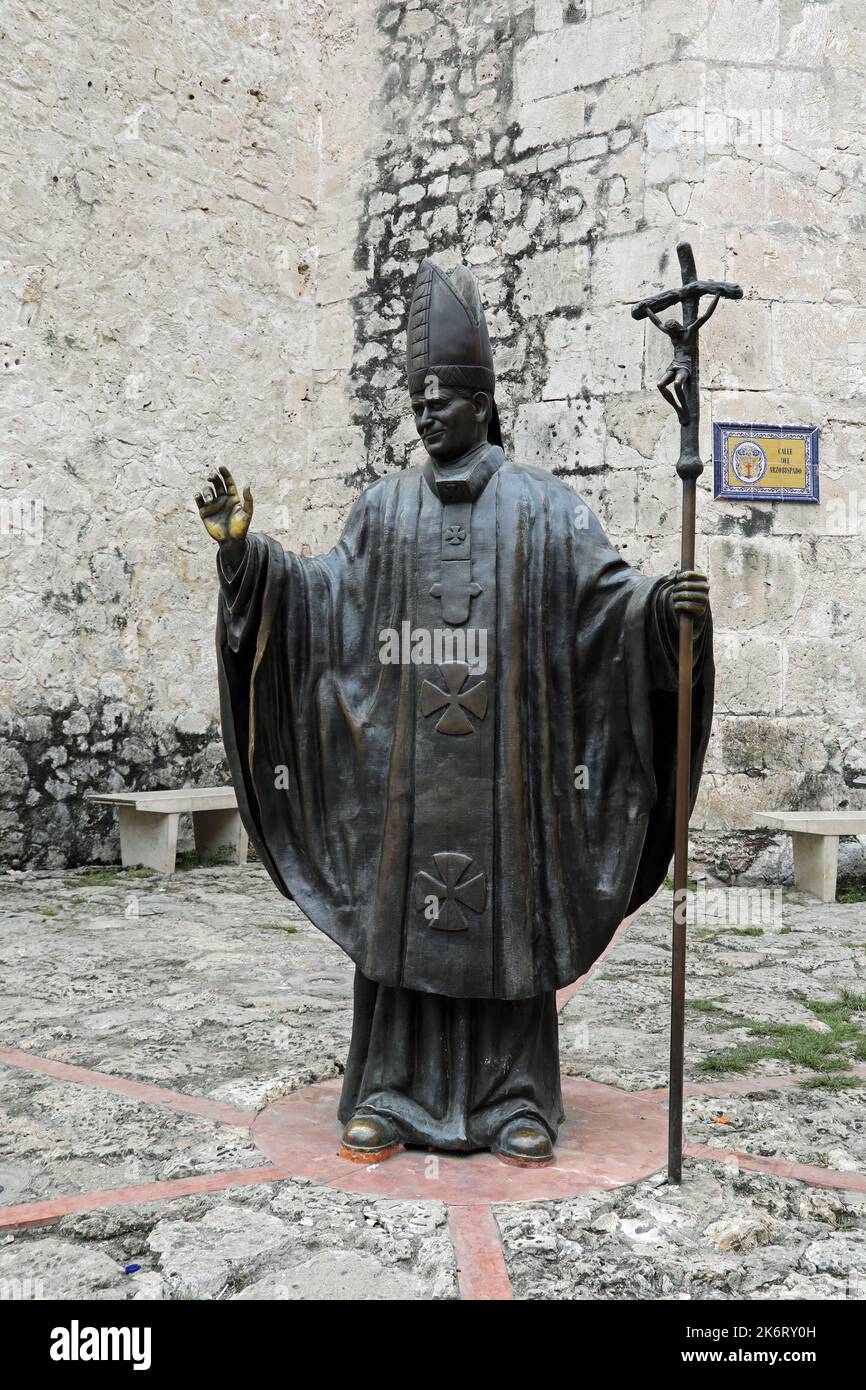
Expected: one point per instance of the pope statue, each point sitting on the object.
(452, 741)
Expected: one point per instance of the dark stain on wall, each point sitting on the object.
(55, 756)
(450, 133)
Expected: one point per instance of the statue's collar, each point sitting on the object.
(466, 478)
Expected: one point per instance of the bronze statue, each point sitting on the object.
(404, 718)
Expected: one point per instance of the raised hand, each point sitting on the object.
(226, 516)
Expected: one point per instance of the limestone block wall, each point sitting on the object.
(562, 149)
(162, 165)
(208, 259)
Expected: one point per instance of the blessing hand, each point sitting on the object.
(226, 516)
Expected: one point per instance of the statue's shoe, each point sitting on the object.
(524, 1142)
(369, 1139)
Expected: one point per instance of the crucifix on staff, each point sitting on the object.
(680, 386)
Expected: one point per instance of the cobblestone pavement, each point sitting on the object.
(210, 984)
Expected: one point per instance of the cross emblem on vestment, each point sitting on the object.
(451, 891)
(456, 587)
(454, 720)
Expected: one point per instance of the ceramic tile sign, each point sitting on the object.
(765, 463)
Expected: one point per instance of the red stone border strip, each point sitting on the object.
(807, 1173)
(29, 1214)
(137, 1090)
(482, 1274)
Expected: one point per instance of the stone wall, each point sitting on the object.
(164, 174)
(210, 255)
(562, 149)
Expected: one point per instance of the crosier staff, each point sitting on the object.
(680, 386)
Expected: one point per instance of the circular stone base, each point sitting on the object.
(609, 1138)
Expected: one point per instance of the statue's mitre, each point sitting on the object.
(446, 336)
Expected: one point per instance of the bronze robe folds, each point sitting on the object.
(434, 821)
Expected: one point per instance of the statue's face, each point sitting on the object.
(449, 421)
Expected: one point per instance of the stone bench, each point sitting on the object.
(148, 824)
(815, 836)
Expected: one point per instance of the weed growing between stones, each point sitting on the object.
(691, 884)
(825, 1053)
(736, 1059)
(829, 1082)
(702, 933)
(186, 859)
(215, 859)
(107, 878)
(708, 1006)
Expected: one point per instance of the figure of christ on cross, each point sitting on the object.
(678, 374)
